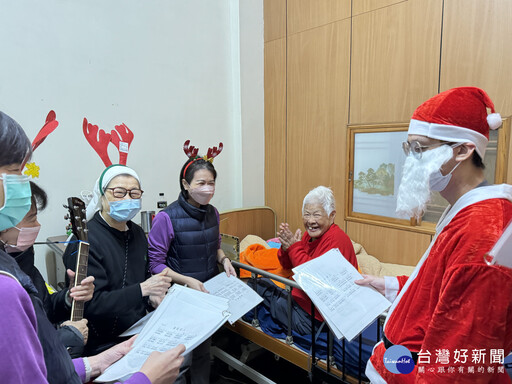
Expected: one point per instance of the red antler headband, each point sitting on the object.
(99, 140)
(49, 126)
(192, 151)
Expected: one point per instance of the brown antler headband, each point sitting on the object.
(192, 151)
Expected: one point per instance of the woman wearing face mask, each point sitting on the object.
(124, 291)
(185, 241)
(18, 242)
(31, 350)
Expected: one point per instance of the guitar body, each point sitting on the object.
(76, 208)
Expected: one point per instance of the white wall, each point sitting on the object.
(171, 70)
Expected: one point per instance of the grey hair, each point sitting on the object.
(15, 146)
(323, 196)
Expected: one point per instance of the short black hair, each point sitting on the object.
(39, 197)
(477, 160)
(14, 143)
(195, 165)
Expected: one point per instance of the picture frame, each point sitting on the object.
(375, 159)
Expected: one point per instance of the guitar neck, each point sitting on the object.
(77, 307)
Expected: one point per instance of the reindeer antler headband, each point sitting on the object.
(49, 126)
(192, 151)
(99, 140)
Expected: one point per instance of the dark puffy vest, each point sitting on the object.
(193, 252)
(59, 367)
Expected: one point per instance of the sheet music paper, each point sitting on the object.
(241, 297)
(137, 327)
(185, 316)
(501, 253)
(346, 307)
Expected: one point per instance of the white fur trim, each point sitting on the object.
(494, 120)
(451, 133)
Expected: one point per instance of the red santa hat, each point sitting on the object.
(458, 115)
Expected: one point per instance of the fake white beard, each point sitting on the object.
(414, 191)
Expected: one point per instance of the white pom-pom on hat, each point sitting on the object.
(494, 120)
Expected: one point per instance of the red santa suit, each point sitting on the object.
(454, 300)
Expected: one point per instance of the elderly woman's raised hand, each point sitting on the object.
(287, 237)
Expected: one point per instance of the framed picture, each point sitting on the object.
(375, 161)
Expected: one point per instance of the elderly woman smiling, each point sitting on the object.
(318, 213)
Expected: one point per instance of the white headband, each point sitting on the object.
(105, 178)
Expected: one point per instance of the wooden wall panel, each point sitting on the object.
(242, 222)
(275, 126)
(317, 96)
(307, 14)
(477, 49)
(362, 6)
(389, 245)
(274, 16)
(395, 61)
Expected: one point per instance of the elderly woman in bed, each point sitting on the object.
(321, 235)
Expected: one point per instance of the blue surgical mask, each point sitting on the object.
(124, 210)
(17, 196)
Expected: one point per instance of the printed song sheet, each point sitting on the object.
(137, 327)
(347, 307)
(501, 253)
(241, 297)
(185, 316)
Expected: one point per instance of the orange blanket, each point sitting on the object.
(256, 255)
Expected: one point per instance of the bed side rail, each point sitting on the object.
(316, 373)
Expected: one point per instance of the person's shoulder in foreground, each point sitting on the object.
(22, 356)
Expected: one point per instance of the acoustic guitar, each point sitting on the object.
(77, 218)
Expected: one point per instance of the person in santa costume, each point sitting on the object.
(454, 313)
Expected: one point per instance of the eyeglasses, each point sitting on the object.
(416, 149)
(120, 192)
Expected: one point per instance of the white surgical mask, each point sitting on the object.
(438, 182)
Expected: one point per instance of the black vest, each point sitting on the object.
(193, 251)
(59, 367)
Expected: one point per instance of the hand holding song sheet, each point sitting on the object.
(185, 316)
(346, 307)
(241, 297)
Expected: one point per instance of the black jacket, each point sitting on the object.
(54, 305)
(118, 262)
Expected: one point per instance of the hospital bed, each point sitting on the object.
(261, 221)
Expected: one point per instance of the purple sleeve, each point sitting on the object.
(137, 378)
(159, 240)
(22, 356)
(218, 223)
(79, 368)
